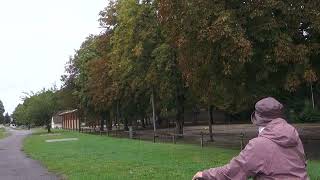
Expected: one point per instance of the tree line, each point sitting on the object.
(160, 57)
(4, 119)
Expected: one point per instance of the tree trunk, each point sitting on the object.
(126, 128)
(153, 112)
(106, 117)
(180, 114)
(109, 121)
(179, 95)
(312, 97)
(135, 124)
(147, 121)
(143, 124)
(49, 128)
(102, 118)
(179, 127)
(194, 119)
(210, 109)
(117, 116)
(79, 119)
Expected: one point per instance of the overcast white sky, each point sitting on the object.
(36, 39)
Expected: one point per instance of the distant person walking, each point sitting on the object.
(276, 154)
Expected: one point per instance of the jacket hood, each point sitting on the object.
(266, 110)
(280, 132)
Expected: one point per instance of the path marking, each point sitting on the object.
(57, 134)
(61, 140)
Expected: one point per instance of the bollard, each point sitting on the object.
(154, 138)
(174, 139)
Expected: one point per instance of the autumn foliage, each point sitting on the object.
(197, 53)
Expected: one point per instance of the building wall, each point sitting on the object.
(56, 122)
(70, 121)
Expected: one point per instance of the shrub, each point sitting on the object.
(307, 114)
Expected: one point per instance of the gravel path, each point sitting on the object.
(14, 165)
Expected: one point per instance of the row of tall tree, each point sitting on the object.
(158, 57)
(37, 109)
(4, 119)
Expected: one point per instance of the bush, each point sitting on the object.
(308, 114)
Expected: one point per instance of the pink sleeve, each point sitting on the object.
(249, 162)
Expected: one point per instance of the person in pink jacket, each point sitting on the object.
(276, 154)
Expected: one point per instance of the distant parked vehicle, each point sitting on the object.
(13, 126)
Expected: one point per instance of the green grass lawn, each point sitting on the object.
(94, 157)
(2, 133)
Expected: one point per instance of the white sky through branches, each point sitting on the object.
(36, 39)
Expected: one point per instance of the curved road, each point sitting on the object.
(14, 165)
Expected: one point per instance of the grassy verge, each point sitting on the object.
(3, 133)
(95, 157)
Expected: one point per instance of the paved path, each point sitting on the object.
(14, 165)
